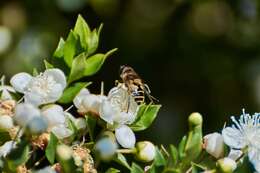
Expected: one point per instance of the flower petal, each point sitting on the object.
(108, 112)
(6, 148)
(24, 112)
(54, 94)
(80, 96)
(61, 131)
(20, 81)
(254, 157)
(233, 138)
(54, 115)
(33, 98)
(57, 75)
(125, 136)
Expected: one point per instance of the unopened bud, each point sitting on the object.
(195, 119)
(64, 152)
(145, 151)
(106, 148)
(226, 165)
(6, 122)
(214, 145)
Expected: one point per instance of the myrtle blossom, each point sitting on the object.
(87, 102)
(120, 110)
(245, 134)
(54, 115)
(214, 144)
(45, 88)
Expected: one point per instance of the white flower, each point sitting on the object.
(6, 148)
(145, 151)
(42, 89)
(245, 133)
(86, 102)
(53, 114)
(24, 112)
(235, 154)
(6, 122)
(120, 110)
(56, 119)
(214, 144)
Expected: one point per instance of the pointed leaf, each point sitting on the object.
(51, 148)
(146, 114)
(83, 31)
(70, 48)
(58, 53)
(174, 154)
(112, 170)
(94, 63)
(47, 64)
(159, 159)
(120, 158)
(91, 124)
(136, 168)
(78, 68)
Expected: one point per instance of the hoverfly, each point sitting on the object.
(135, 85)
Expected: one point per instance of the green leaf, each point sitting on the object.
(58, 53)
(93, 42)
(70, 48)
(82, 67)
(35, 72)
(17, 156)
(146, 116)
(78, 68)
(47, 64)
(136, 168)
(193, 146)
(95, 62)
(51, 148)
(112, 170)
(82, 30)
(91, 124)
(70, 93)
(120, 158)
(4, 137)
(159, 159)
(181, 147)
(174, 154)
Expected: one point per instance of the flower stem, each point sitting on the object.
(127, 151)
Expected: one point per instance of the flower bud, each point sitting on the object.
(64, 152)
(214, 145)
(226, 165)
(37, 125)
(6, 122)
(195, 119)
(106, 148)
(145, 151)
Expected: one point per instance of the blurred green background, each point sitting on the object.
(200, 55)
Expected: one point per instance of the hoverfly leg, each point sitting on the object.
(148, 94)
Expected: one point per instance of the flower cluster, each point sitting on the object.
(51, 123)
